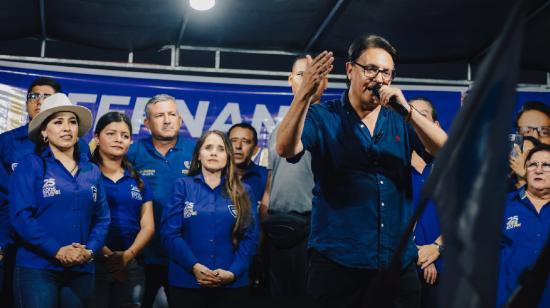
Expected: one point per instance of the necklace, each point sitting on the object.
(72, 171)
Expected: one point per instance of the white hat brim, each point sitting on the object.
(83, 114)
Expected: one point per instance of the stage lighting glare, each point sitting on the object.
(202, 5)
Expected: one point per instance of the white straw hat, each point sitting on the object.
(59, 102)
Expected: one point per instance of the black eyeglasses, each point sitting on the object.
(370, 71)
(534, 165)
(34, 96)
(544, 131)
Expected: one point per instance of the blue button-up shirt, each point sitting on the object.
(125, 201)
(524, 233)
(196, 228)
(255, 176)
(160, 172)
(362, 196)
(14, 145)
(49, 209)
(427, 228)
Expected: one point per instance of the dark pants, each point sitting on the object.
(207, 297)
(37, 288)
(330, 284)
(110, 292)
(429, 291)
(6, 291)
(156, 276)
(287, 270)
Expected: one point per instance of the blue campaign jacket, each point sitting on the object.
(14, 146)
(49, 209)
(524, 233)
(160, 172)
(196, 228)
(427, 228)
(4, 216)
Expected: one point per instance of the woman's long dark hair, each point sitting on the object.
(105, 120)
(41, 145)
(233, 186)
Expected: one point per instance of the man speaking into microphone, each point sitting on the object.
(361, 147)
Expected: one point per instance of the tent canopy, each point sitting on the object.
(434, 39)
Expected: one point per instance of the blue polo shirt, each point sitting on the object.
(160, 172)
(427, 228)
(255, 176)
(14, 145)
(196, 228)
(524, 233)
(363, 194)
(125, 201)
(50, 209)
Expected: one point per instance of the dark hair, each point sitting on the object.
(246, 126)
(427, 100)
(366, 41)
(233, 186)
(106, 119)
(45, 81)
(532, 105)
(39, 147)
(298, 58)
(537, 148)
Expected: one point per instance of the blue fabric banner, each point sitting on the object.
(204, 103)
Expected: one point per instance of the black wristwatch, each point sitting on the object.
(440, 247)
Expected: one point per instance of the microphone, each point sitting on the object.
(392, 102)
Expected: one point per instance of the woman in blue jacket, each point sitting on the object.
(526, 229)
(120, 279)
(209, 229)
(58, 209)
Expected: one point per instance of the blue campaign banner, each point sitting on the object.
(204, 103)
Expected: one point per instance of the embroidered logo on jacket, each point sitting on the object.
(186, 164)
(147, 172)
(136, 194)
(189, 210)
(94, 192)
(13, 166)
(49, 189)
(513, 222)
(232, 210)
